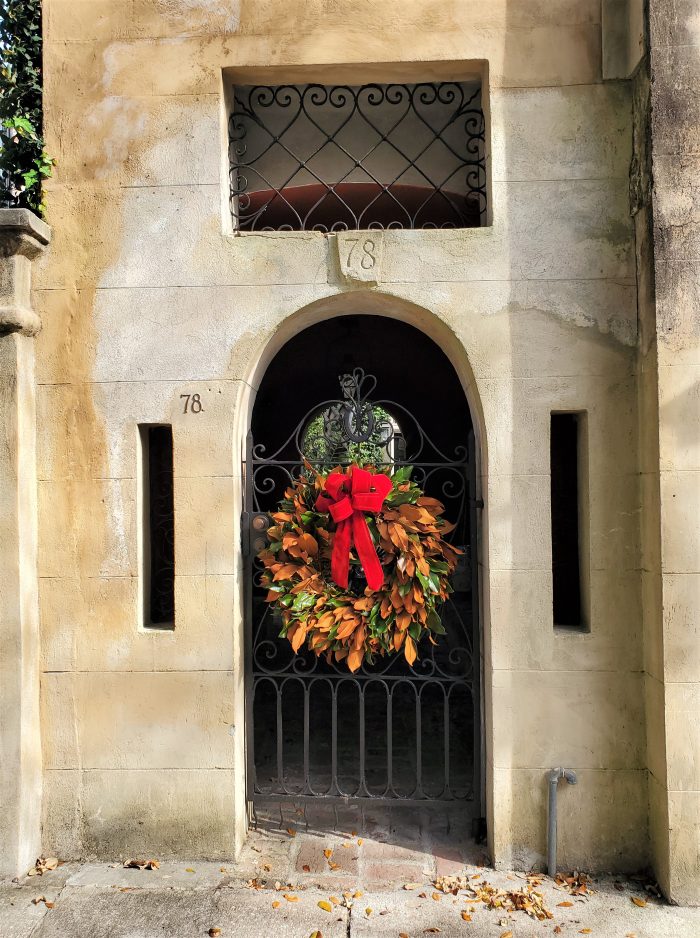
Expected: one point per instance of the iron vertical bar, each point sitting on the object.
(307, 785)
(247, 467)
(446, 736)
(419, 743)
(280, 730)
(363, 787)
(334, 739)
(389, 739)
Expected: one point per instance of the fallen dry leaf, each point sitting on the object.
(422, 895)
(368, 911)
(276, 904)
(466, 916)
(639, 902)
(326, 906)
(431, 931)
(214, 931)
(357, 894)
(189, 870)
(436, 896)
(507, 934)
(291, 832)
(49, 905)
(585, 931)
(328, 854)
(333, 866)
(306, 868)
(315, 934)
(290, 898)
(142, 865)
(402, 934)
(334, 899)
(38, 900)
(557, 930)
(43, 865)
(564, 905)
(411, 885)
(360, 842)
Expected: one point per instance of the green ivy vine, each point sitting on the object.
(24, 163)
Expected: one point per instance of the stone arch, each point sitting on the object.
(252, 370)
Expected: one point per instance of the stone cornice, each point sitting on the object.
(23, 237)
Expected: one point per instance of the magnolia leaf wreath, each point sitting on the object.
(357, 565)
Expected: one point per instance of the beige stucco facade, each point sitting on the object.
(147, 294)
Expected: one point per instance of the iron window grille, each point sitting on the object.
(337, 158)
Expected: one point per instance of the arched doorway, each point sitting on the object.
(388, 734)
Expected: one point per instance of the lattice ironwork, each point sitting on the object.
(389, 733)
(337, 158)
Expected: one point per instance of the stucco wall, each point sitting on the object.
(146, 296)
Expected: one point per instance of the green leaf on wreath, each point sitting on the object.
(402, 475)
(435, 624)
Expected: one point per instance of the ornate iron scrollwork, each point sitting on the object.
(338, 158)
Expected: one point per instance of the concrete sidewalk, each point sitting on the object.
(285, 871)
(186, 901)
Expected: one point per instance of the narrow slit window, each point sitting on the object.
(568, 518)
(158, 533)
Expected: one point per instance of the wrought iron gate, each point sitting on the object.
(388, 733)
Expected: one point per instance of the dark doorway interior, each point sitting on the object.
(393, 735)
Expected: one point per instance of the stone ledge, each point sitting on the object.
(22, 232)
(23, 236)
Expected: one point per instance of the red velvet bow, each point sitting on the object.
(346, 497)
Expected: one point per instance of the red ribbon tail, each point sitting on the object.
(366, 552)
(340, 558)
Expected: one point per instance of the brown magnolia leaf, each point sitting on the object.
(436, 896)
(49, 905)
(402, 934)
(422, 895)
(306, 868)
(291, 898)
(326, 906)
(291, 832)
(637, 901)
(564, 905)
(466, 916)
(328, 854)
(213, 932)
(276, 904)
(409, 650)
(557, 930)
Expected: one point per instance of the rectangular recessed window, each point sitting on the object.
(158, 527)
(317, 157)
(568, 461)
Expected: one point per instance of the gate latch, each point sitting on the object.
(254, 525)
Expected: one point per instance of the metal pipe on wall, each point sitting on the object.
(553, 777)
